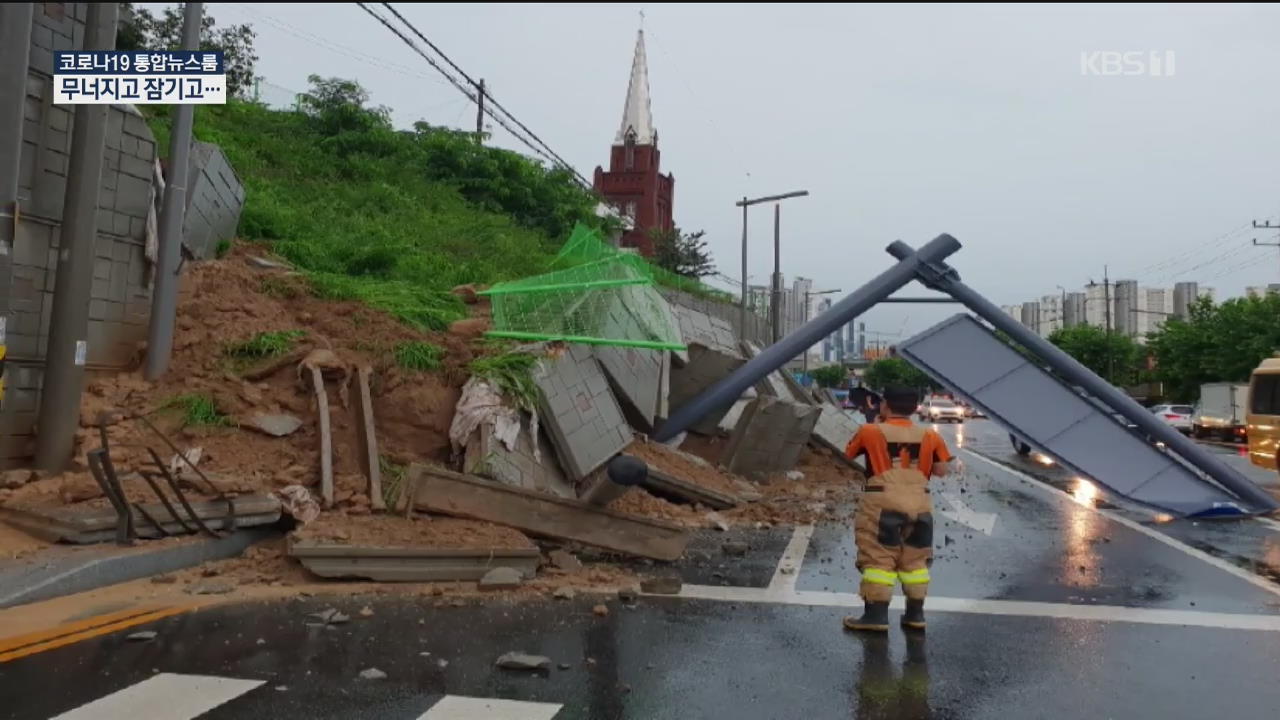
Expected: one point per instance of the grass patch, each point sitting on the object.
(512, 373)
(392, 480)
(224, 247)
(198, 410)
(265, 345)
(390, 218)
(420, 356)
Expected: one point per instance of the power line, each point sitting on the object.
(336, 48)
(470, 96)
(493, 104)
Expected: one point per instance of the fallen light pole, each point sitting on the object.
(927, 265)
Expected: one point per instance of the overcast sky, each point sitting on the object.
(902, 121)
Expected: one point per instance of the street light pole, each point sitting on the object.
(775, 302)
(742, 330)
(744, 203)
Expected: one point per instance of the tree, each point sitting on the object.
(1216, 343)
(682, 253)
(139, 29)
(338, 105)
(895, 371)
(1114, 357)
(830, 376)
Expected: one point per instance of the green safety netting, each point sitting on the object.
(595, 294)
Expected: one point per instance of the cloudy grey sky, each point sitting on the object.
(902, 121)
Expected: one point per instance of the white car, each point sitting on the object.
(938, 410)
(1178, 417)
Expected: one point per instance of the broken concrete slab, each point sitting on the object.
(778, 383)
(580, 412)
(398, 564)
(501, 578)
(486, 456)
(705, 368)
(769, 437)
(367, 438)
(707, 331)
(276, 424)
(635, 376)
(523, 661)
(834, 429)
(450, 493)
(84, 525)
(671, 487)
(326, 438)
(13, 479)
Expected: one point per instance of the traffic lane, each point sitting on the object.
(1247, 544)
(1043, 549)
(669, 658)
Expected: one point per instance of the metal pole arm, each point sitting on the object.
(723, 393)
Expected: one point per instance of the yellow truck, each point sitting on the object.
(1264, 414)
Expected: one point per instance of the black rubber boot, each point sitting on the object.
(875, 618)
(913, 618)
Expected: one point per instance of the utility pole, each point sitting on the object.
(775, 303)
(480, 111)
(744, 203)
(1266, 225)
(68, 346)
(1106, 309)
(15, 45)
(742, 330)
(1106, 294)
(164, 297)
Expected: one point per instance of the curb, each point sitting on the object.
(41, 577)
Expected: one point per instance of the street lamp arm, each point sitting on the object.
(771, 198)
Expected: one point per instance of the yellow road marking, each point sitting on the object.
(69, 633)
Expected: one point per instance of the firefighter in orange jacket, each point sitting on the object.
(893, 526)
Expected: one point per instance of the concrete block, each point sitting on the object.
(704, 368)
(634, 375)
(834, 428)
(581, 444)
(486, 456)
(769, 437)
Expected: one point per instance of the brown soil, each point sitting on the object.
(676, 464)
(15, 544)
(424, 531)
(224, 302)
(708, 448)
(638, 501)
(827, 493)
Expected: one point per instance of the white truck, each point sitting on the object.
(1221, 411)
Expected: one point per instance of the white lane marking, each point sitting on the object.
(785, 575)
(1105, 613)
(1135, 526)
(166, 696)
(458, 707)
(984, 523)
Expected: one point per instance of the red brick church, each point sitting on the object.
(633, 183)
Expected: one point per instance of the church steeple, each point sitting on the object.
(637, 119)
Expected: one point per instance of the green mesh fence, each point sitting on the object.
(594, 295)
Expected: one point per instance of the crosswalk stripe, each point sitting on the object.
(166, 696)
(458, 707)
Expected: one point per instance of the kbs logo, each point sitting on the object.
(1151, 63)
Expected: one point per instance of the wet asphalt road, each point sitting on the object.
(1031, 652)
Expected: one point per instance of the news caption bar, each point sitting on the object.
(141, 77)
